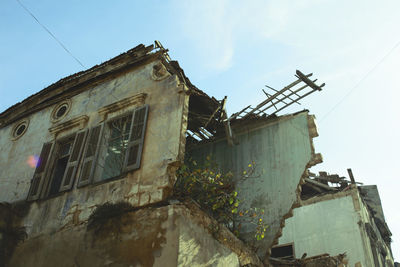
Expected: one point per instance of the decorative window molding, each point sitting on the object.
(138, 100)
(19, 129)
(61, 110)
(159, 72)
(79, 122)
(105, 152)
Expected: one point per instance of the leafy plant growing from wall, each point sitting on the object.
(215, 192)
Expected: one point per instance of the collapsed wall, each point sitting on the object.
(281, 151)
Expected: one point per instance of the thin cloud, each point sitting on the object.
(209, 29)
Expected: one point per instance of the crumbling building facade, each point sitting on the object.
(88, 167)
(337, 216)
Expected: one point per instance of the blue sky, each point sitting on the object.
(234, 49)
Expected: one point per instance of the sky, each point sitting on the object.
(235, 48)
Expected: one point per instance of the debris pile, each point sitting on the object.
(324, 260)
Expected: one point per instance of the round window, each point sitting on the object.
(19, 129)
(60, 111)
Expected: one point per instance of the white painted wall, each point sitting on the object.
(329, 226)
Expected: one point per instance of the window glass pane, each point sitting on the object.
(116, 146)
(120, 127)
(65, 149)
(61, 164)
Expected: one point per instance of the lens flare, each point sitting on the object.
(33, 161)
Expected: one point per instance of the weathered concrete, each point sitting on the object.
(282, 150)
(334, 224)
(165, 236)
(149, 184)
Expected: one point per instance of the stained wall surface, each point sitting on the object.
(281, 150)
(149, 184)
(325, 227)
(163, 236)
(335, 224)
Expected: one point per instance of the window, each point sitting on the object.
(285, 251)
(61, 110)
(115, 142)
(61, 160)
(98, 154)
(19, 129)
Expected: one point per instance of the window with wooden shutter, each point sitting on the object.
(136, 138)
(60, 157)
(73, 161)
(115, 142)
(90, 155)
(40, 172)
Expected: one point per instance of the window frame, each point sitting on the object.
(102, 148)
(51, 168)
(44, 175)
(281, 247)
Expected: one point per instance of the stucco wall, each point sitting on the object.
(164, 236)
(198, 248)
(148, 184)
(281, 150)
(330, 226)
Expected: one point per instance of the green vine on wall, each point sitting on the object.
(215, 192)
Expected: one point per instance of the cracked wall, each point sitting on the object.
(163, 236)
(282, 150)
(151, 183)
(344, 228)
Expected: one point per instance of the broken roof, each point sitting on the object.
(78, 82)
(325, 183)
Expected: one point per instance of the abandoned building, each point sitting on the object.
(95, 156)
(336, 215)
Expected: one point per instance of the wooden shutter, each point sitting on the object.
(136, 137)
(73, 161)
(91, 152)
(40, 172)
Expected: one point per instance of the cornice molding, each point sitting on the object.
(138, 99)
(79, 121)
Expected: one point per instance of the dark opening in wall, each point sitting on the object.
(285, 251)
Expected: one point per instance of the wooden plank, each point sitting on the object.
(276, 94)
(286, 96)
(327, 187)
(293, 102)
(350, 172)
(282, 94)
(310, 83)
(316, 188)
(235, 115)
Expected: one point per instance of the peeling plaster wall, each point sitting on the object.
(149, 184)
(325, 227)
(163, 236)
(196, 245)
(282, 150)
(332, 224)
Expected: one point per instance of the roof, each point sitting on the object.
(78, 82)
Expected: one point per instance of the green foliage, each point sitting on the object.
(215, 192)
